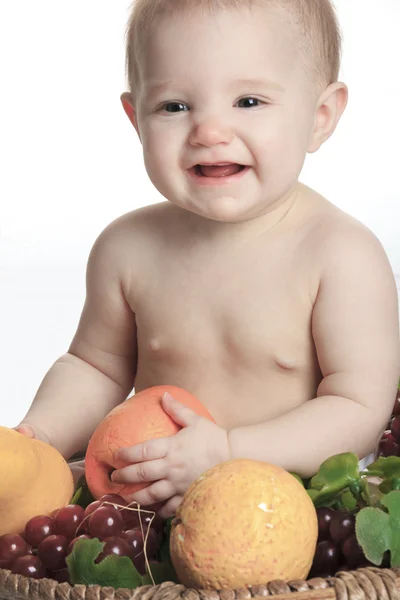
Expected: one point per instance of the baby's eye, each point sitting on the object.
(249, 102)
(173, 107)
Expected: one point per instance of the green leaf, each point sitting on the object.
(372, 494)
(113, 571)
(335, 475)
(161, 572)
(75, 498)
(348, 501)
(373, 533)
(163, 551)
(165, 556)
(378, 531)
(299, 479)
(388, 485)
(82, 496)
(392, 503)
(385, 467)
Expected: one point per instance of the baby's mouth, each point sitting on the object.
(217, 170)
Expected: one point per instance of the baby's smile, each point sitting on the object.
(218, 173)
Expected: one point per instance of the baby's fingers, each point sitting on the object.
(150, 450)
(169, 508)
(154, 493)
(25, 430)
(142, 472)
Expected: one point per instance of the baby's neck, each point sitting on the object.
(276, 216)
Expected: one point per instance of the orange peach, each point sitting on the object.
(140, 418)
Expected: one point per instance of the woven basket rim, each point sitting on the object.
(370, 581)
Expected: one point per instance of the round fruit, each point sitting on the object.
(72, 542)
(243, 523)
(106, 521)
(114, 545)
(35, 479)
(68, 519)
(342, 525)
(353, 553)
(62, 575)
(396, 407)
(52, 551)
(136, 541)
(12, 546)
(138, 419)
(325, 516)
(395, 428)
(388, 446)
(29, 566)
(37, 529)
(327, 559)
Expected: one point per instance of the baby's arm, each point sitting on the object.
(98, 371)
(356, 332)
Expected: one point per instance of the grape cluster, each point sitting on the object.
(390, 442)
(41, 549)
(337, 546)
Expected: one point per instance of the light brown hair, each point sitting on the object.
(318, 40)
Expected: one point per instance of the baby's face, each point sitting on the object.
(224, 89)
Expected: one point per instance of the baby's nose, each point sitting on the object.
(210, 132)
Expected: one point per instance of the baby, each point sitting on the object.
(246, 287)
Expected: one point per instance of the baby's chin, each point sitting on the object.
(224, 209)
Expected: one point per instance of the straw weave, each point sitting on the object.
(362, 584)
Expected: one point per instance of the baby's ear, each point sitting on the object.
(330, 108)
(127, 103)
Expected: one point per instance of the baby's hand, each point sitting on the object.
(173, 463)
(36, 434)
(25, 430)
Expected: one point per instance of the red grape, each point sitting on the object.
(72, 542)
(114, 545)
(29, 566)
(115, 499)
(134, 537)
(353, 553)
(140, 563)
(133, 518)
(342, 525)
(12, 546)
(62, 575)
(68, 519)
(388, 445)
(106, 521)
(395, 428)
(396, 406)
(37, 529)
(325, 515)
(84, 527)
(52, 551)
(327, 559)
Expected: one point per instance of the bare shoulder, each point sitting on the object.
(335, 236)
(133, 234)
(139, 223)
(129, 245)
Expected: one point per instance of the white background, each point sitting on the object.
(71, 162)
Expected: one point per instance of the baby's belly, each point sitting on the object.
(248, 361)
(236, 395)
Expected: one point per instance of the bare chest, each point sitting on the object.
(234, 314)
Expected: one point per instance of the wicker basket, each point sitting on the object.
(362, 584)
